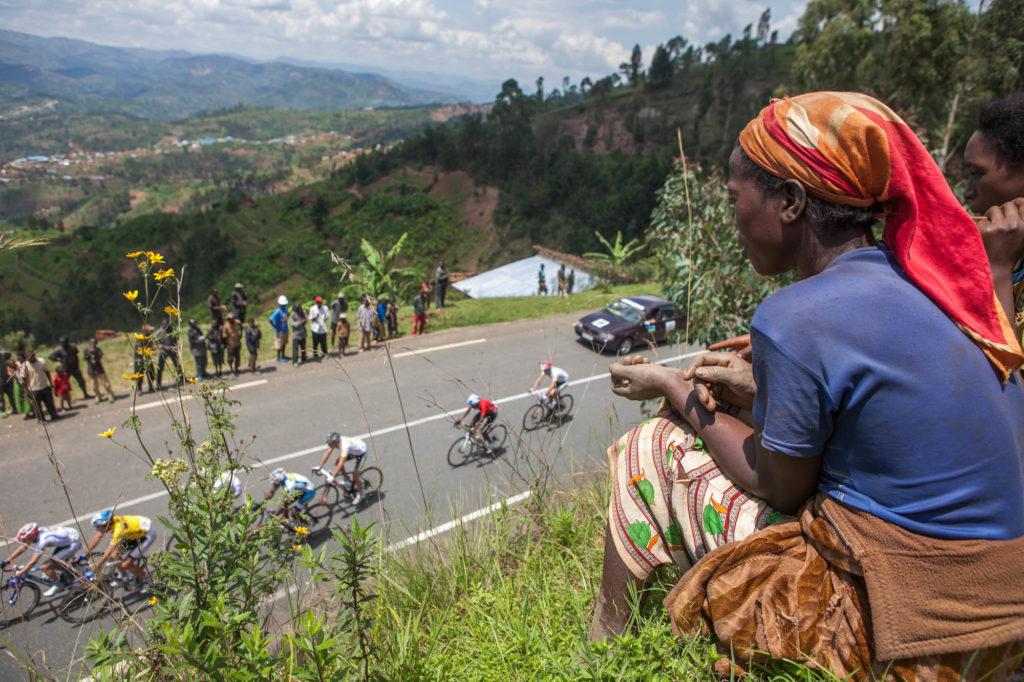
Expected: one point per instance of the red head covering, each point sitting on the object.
(851, 149)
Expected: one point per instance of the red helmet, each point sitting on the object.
(545, 366)
(27, 532)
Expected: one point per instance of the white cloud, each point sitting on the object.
(482, 39)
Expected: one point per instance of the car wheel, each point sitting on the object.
(626, 346)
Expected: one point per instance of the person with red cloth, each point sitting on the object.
(857, 504)
(62, 387)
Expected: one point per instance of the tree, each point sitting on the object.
(764, 26)
(617, 255)
(378, 275)
(660, 73)
(318, 212)
(631, 69)
(676, 47)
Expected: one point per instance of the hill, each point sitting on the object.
(73, 76)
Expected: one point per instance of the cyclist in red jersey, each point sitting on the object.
(487, 413)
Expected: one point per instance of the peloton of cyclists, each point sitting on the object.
(130, 537)
(559, 380)
(348, 449)
(486, 414)
(56, 544)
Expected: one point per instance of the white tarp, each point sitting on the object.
(519, 279)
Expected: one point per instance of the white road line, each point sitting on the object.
(158, 403)
(432, 349)
(362, 436)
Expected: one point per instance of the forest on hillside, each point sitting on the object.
(568, 162)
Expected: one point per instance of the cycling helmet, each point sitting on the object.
(27, 532)
(277, 475)
(282, 300)
(545, 366)
(103, 518)
(473, 400)
(333, 437)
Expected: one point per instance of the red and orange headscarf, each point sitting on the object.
(851, 149)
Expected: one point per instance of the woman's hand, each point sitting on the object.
(1002, 231)
(719, 377)
(637, 379)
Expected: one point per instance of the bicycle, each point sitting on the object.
(20, 596)
(94, 597)
(344, 489)
(470, 444)
(539, 414)
(315, 518)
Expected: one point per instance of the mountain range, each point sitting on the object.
(173, 85)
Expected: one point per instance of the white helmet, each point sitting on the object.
(473, 400)
(277, 475)
(282, 300)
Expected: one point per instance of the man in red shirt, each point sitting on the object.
(487, 413)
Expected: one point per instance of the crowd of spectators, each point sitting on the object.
(29, 386)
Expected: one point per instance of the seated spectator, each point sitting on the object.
(818, 489)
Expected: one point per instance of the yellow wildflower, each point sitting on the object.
(146, 350)
(140, 337)
(163, 274)
(131, 295)
(108, 433)
(132, 377)
(154, 258)
(133, 254)
(301, 530)
(297, 548)
(171, 310)
(191, 380)
(152, 601)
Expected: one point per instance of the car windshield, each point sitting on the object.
(626, 310)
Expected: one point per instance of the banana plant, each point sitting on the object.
(377, 274)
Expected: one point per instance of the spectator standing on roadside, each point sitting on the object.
(62, 387)
(143, 359)
(253, 334)
(216, 308)
(297, 323)
(382, 314)
(215, 342)
(318, 317)
(560, 276)
(342, 330)
(168, 349)
(441, 278)
(233, 343)
(197, 347)
(542, 282)
(279, 321)
(392, 318)
(419, 313)
(239, 304)
(339, 309)
(364, 319)
(7, 371)
(570, 281)
(34, 375)
(94, 364)
(67, 355)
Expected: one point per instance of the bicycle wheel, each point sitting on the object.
(16, 603)
(565, 404)
(372, 480)
(534, 418)
(84, 604)
(460, 451)
(327, 493)
(318, 518)
(498, 434)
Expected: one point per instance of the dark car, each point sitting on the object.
(629, 321)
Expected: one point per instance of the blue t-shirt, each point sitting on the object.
(279, 320)
(914, 426)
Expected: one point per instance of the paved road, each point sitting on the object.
(402, 408)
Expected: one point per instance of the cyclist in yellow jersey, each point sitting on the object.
(130, 537)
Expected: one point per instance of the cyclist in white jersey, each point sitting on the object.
(298, 488)
(559, 380)
(57, 544)
(348, 449)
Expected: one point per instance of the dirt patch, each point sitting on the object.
(478, 204)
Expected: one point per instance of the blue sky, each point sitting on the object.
(477, 39)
